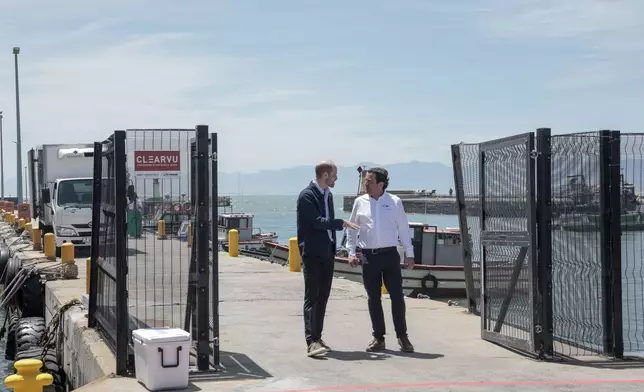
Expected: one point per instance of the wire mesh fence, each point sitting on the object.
(632, 242)
(576, 243)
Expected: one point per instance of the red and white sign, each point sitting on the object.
(148, 163)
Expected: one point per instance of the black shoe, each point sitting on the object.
(405, 345)
(376, 345)
(316, 349)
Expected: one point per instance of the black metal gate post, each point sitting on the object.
(508, 239)
(120, 221)
(202, 234)
(214, 210)
(466, 240)
(96, 218)
(610, 237)
(544, 330)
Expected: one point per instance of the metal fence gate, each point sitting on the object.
(152, 258)
(543, 242)
(508, 253)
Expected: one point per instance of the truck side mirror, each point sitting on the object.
(130, 193)
(46, 197)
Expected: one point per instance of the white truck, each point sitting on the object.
(61, 184)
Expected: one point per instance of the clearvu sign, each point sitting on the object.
(157, 163)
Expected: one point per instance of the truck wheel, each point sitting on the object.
(29, 332)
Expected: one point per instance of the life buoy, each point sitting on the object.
(424, 282)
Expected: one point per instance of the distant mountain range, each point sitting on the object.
(411, 175)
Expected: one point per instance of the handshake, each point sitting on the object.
(350, 225)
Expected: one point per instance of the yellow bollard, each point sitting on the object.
(28, 228)
(88, 266)
(67, 253)
(21, 223)
(35, 237)
(50, 246)
(233, 243)
(12, 219)
(293, 255)
(161, 230)
(28, 377)
(383, 289)
(6, 217)
(189, 235)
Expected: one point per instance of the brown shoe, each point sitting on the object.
(405, 345)
(376, 345)
(316, 349)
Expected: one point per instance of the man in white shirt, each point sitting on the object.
(382, 222)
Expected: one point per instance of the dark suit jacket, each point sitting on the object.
(312, 235)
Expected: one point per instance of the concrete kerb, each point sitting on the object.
(85, 356)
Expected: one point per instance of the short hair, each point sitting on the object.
(324, 167)
(381, 174)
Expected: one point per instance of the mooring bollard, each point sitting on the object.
(67, 253)
(88, 266)
(189, 235)
(28, 228)
(161, 230)
(50, 246)
(233, 243)
(28, 377)
(383, 288)
(35, 237)
(21, 224)
(293, 255)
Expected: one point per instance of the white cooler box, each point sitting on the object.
(161, 357)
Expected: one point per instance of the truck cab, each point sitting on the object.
(68, 211)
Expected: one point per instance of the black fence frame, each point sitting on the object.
(203, 288)
(115, 328)
(541, 272)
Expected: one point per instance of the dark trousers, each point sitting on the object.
(318, 276)
(377, 268)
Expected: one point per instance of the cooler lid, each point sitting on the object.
(161, 335)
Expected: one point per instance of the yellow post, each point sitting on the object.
(28, 377)
(293, 255)
(383, 289)
(35, 237)
(67, 253)
(28, 228)
(12, 218)
(189, 235)
(161, 230)
(233, 243)
(88, 266)
(21, 223)
(6, 217)
(50, 246)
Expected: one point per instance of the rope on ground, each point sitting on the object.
(49, 338)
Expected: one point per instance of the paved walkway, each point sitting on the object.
(262, 342)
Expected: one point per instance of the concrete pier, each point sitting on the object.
(263, 348)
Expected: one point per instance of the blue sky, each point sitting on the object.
(289, 82)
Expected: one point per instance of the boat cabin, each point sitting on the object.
(434, 246)
(242, 222)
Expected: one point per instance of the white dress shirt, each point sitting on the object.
(382, 222)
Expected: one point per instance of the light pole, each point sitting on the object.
(16, 50)
(1, 160)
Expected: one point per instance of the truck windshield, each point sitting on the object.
(75, 192)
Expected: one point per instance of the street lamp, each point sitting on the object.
(16, 50)
(1, 160)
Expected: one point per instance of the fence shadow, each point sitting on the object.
(233, 367)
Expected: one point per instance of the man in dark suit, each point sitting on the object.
(316, 227)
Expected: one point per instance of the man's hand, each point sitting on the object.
(354, 261)
(409, 262)
(350, 225)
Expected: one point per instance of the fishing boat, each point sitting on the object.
(438, 254)
(250, 238)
